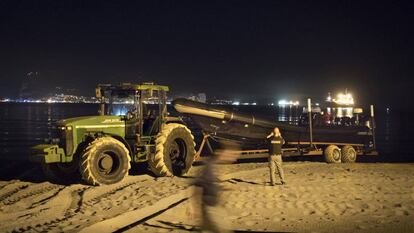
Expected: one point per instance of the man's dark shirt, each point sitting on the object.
(275, 145)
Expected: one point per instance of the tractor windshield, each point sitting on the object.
(120, 102)
(121, 108)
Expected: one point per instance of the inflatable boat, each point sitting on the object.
(251, 131)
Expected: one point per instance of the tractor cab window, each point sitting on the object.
(121, 103)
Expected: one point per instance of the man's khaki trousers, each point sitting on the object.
(275, 163)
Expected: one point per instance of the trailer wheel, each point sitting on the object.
(332, 154)
(174, 151)
(105, 161)
(348, 154)
(62, 173)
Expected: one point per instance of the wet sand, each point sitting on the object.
(319, 197)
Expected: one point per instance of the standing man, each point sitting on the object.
(275, 155)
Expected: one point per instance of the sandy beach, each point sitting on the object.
(319, 197)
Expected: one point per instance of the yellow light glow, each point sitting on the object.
(344, 99)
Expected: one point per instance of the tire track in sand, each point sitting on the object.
(99, 203)
(12, 188)
(51, 211)
(95, 194)
(51, 206)
(83, 202)
(30, 191)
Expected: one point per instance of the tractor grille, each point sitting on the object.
(65, 139)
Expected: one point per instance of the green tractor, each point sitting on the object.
(133, 125)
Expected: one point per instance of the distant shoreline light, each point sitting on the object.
(48, 101)
(290, 102)
(56, 101)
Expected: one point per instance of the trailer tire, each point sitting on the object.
(175, 151)
(62, 173)
(348, 154)
(332, 154)
(105, 161)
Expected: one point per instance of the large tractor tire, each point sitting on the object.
(349, 154)
(332, 154)
(105, 161)
(62, 173)
(175, 151)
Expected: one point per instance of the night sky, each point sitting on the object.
(237, 49)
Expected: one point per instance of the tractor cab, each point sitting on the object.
(143, 107)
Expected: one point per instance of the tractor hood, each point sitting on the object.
(71, 133)
(98, 121)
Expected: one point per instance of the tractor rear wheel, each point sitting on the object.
(175, 151)
(332, 154)
(62, 173)
(105, 161)
(349, 154)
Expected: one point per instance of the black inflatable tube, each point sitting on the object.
(196, 108)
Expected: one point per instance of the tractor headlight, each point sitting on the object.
(63, 128)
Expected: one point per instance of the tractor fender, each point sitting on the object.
(89, 138)
(178, 120)
(122, 140)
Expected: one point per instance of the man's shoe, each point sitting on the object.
(283, 182)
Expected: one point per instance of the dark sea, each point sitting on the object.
(23, 125)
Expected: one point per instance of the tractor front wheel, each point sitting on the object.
(175, 151)
(105, 161)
